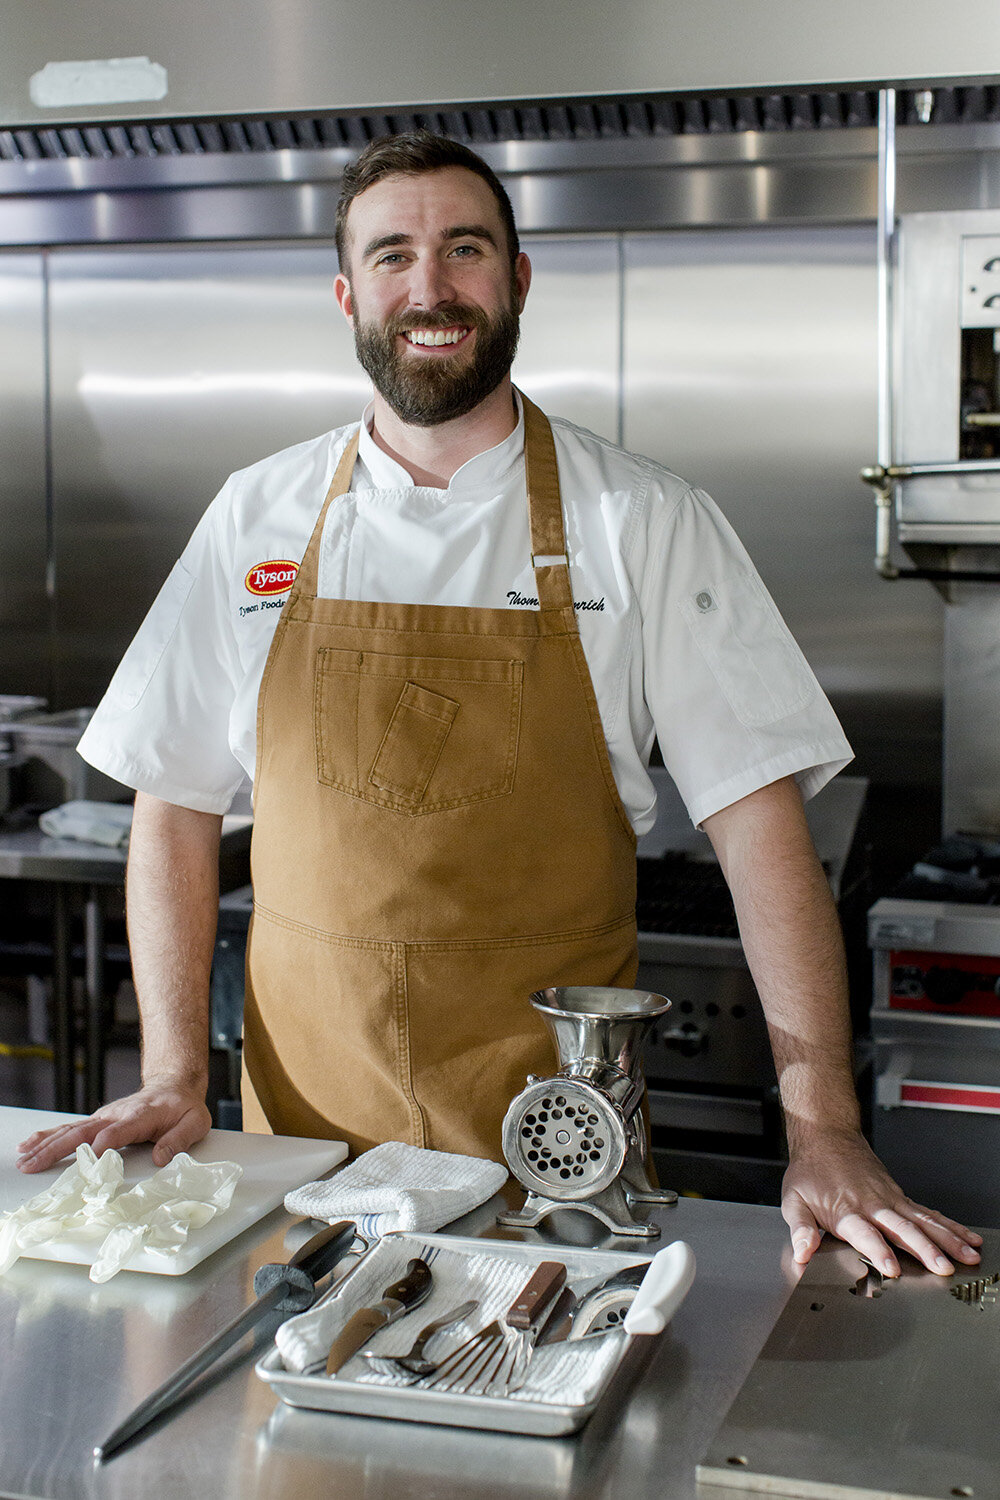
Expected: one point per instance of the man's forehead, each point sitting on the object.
(454, 195)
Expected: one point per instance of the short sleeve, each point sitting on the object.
(735, 703)
(163, 725)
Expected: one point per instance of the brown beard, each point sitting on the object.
(426, 392)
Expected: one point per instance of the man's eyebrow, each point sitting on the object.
(383, 242)
(471, 232)
(458, 232)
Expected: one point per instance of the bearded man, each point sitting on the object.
(448, 727)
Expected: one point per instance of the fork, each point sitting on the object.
(413, 1363)
(485, 1364)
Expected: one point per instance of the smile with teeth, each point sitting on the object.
(435, 337)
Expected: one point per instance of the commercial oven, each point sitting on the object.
(935, 1023)
(713, 1099)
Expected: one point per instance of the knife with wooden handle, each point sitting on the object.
(413, 1289)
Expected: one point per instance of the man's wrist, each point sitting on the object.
(807, 1136)
(184, 1080)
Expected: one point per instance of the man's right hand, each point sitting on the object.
(171, 1116)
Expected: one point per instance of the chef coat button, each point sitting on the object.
(704, 601)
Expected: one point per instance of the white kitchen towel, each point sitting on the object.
(107, 823)
(395, 1186)
(564, 1374)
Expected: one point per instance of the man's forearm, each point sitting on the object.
(793, 945)
(172, 892)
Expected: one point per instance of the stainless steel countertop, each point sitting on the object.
(29, 854)
(77, 1357)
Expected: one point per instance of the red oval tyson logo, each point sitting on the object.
(271, 577)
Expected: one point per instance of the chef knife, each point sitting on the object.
(288, 1288)
(397, 1299)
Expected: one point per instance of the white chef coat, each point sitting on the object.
(681, 637)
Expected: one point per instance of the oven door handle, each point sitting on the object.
(894, 1090)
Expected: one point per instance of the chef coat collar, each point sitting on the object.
(486, 471)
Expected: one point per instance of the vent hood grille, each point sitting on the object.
(627, 118)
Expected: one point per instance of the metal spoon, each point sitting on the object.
(413, 1363)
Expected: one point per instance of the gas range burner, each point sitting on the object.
(961, 868)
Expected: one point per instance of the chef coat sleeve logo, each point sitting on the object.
(749, 650)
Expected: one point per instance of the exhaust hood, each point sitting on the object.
(67, 64)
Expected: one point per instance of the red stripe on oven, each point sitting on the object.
(951, 1096)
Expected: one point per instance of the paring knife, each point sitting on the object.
(286, 1288)
(413, 1289)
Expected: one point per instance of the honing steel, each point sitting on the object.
(288, 1288)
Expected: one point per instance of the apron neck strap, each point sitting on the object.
(306, 582)
(545, 512)
(548, 532)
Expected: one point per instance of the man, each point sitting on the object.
(448, 728)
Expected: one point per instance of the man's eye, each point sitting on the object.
(388, 260)
(466, 250)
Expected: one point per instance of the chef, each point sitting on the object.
(440, 642)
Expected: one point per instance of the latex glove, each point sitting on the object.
(87, 1200)
(160, 1212)
(837, 1182)
(78, 1196)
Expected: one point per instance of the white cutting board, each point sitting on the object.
(272, 1166)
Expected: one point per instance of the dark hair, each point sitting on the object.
(410, 155)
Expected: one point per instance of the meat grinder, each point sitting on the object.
(578, 1139)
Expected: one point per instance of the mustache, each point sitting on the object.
(441, 317)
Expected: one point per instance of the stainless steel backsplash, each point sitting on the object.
(135, 379)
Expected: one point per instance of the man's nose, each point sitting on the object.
(430, 284)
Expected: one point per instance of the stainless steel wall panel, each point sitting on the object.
(750, 370)
(173, 367)
(972, 711)
(568, 360)
(170, 369)
(24, 615)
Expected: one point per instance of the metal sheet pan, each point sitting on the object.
(500, 1414)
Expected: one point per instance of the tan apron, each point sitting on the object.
(437, 832)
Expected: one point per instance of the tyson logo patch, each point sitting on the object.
(271, 577)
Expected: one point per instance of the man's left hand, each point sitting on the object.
(838, 1183)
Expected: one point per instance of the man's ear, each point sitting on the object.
(342, 292)
(522, 278)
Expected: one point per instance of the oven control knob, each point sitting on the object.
(687, 1039)
(946, 986)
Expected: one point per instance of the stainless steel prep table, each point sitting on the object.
(77, 1357)
(61, 865)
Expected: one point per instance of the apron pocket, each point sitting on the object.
(417, 734)
(413, 742)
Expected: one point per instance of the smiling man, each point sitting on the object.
(448, 725)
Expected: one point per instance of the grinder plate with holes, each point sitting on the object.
(570, 1141)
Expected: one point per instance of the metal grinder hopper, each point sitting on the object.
(577, 1139)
